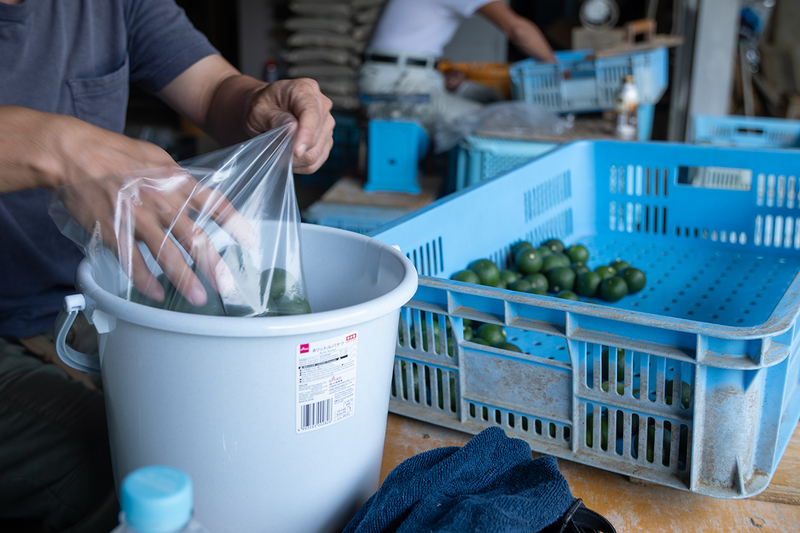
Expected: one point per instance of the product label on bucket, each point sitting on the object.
(326, 381)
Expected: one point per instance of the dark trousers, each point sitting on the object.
(55, 462)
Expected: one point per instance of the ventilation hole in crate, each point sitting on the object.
(394, 387)
(537, 427)
(472, 410)
(551, 430)
(651, 439)
(604, 429)
(667, 443)
(511, 420)
(683, 446)
(525, 425)
(485, 414)
(440, 389)
(498, 418)
(427, 374)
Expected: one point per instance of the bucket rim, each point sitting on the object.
(226, 326)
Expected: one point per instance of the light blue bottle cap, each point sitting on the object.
(157, 499)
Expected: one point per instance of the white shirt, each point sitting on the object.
(421, 26)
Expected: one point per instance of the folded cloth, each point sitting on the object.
(490, 485)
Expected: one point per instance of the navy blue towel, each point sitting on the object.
(490, 485)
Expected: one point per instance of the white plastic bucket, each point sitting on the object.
(218, 396)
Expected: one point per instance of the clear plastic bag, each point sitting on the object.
(508, 117)
(230, 215)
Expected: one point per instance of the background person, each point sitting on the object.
(408, 40)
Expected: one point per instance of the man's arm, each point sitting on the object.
(46, 150)
(232, 107)
(519, 30)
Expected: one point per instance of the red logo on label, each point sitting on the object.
(351, 337)
(304, 348)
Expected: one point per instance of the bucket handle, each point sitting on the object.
(73, 304)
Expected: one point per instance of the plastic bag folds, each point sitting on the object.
(217, 235)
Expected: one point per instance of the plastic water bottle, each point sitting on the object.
(157, 499)
(627, 105)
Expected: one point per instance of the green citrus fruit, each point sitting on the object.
(544, 251)
(561, 278)
(528, 261)
(605, 272)
(491, 333)
(468, 333)
(467, 276)
(587, 283)
(293, 306)
(555, 245)
(538, 281)
(540, 292)
(553, 261)
(486, 270)
(517, 246)
(619, 264)
(635, 279)
(280, 282)
(509, 276)
(579, 268)
(478, 340)
(522, 285)
(613, 288)
(578, 253)
(568, 295)
(508, 346)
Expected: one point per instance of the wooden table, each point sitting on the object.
(634, 507)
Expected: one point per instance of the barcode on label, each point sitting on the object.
(313, 414)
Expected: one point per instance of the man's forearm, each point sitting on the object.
(47, 150)
(26, 149)
(228, 119)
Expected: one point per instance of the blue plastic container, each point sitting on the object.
(703, 362)
(478, 158)
(752, 132)
(395, 148)
(579, 83)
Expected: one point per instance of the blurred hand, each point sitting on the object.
(144, 206)
(301, 101)
(94, 171)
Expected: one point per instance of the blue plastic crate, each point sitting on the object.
(753, 132)
(357, 218)
(577, 82)
(717, 231)
(478, 158)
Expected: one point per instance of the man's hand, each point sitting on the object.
(232, 107)
(91, 169)
(298, 100)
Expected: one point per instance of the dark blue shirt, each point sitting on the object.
(74, 57)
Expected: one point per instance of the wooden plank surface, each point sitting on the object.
(785, 484)
(631, 508)
(351, 191)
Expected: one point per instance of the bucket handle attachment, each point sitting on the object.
(73, 304)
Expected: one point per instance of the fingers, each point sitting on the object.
(314, 121)
(214, 205)
(297, 100)
(170, 258)
(316, 161)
